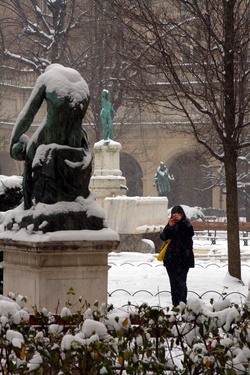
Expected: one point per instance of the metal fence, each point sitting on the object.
(238, 297)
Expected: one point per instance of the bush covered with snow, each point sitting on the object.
(11, 192)
(192, 213)
(190, 339)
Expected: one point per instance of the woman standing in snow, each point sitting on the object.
(179, 256)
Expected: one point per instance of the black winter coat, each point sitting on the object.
(180, 250)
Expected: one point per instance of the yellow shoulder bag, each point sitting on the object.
(163, 250)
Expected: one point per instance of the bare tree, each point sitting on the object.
(75, 33)
(214, 176)
(105, 66)
(196, 53)
(36, 36)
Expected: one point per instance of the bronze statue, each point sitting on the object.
(162, 180)
(57, 156)
(107, 114)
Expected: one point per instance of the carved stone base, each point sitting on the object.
(107, 179)
(44, 272)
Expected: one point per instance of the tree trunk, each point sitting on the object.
(234, 263)
(247, 204)
(229, 142)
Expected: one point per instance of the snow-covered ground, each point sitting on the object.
(137, 278)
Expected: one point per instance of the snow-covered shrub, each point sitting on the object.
(192, 213)
(11, 192)
(191, 339)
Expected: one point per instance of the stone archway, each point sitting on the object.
(132, 171)
(188, 181)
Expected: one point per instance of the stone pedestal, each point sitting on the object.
(44, 272)
(107, 179)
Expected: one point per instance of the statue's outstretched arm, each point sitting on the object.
(26, 117)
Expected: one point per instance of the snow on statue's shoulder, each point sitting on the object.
(65, 82)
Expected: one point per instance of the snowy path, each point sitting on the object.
(139, 278)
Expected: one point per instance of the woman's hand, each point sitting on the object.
(174, 219)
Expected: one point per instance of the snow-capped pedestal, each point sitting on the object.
(107, 179)
(45, 272)
(45, 266)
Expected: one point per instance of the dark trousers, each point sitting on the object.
(178, 284)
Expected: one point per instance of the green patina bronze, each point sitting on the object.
(162, 180)
(107, 114)
(57, 156)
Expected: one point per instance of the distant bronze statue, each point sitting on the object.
(162, 180)
(107, 114)
(57, 156)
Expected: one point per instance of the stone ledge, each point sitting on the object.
(44, 272)
(58, 246)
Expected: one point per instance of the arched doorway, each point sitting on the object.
(132, 171)
(188, 183)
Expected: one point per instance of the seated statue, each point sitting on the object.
(162, 180)
(57, 156)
